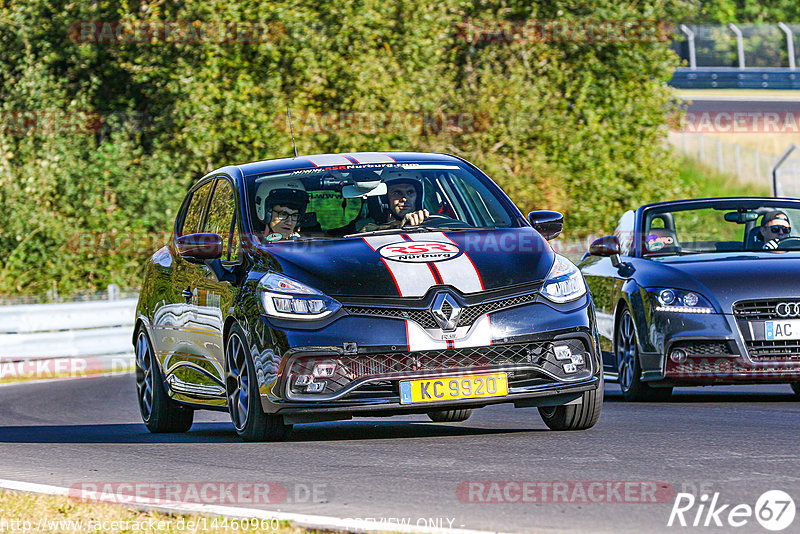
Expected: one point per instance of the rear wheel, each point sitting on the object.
(628, 365)
(449, 416)
(159, 413)
(244, 401)
(575, 416)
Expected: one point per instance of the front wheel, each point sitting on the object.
(575, 416)
(241, 388)
(629, 367)
(159, 412)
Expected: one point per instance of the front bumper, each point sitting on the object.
(720, 349)
(366, 375)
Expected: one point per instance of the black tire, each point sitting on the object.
(626, 353)
(449, 416)
(159, 412)
(243, 398)
(796, 388)
(575, 416)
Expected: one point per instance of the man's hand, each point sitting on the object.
(415, 218)
(771, 244)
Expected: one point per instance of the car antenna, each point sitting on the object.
(291, 129)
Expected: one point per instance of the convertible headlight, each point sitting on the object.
(289, 299)
(564, 282)
(680, 301)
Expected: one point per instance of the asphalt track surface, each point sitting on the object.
(739, 441)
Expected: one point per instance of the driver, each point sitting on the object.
(280, 206)
(774, 227)
(404, 196)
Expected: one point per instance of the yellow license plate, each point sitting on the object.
(456, 387)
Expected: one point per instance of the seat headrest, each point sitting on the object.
(661, 240)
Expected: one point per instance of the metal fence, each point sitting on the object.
(747, 164)
(786, 174)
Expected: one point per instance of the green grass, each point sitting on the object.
(701, 182)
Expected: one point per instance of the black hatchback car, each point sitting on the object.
(325, 287)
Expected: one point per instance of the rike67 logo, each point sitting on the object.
(774, 510)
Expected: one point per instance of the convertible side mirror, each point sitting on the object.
(607, 246)
(547, 223)
(198, 248)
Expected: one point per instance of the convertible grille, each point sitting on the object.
(424, 317)
(774, 350)
(762, 309)
(704, 348)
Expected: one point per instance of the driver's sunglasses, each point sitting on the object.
(780, 229)
(286, 215)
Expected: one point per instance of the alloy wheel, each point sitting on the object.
(144, 375)
(237, 382)
(626, 351)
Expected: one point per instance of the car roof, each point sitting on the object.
(343, 159)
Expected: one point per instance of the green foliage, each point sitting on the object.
(576, 126)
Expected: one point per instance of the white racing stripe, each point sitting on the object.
(303, 520)
(327, 160)
(480, 336)
(412, 279)
(458, 272)
(371, 157)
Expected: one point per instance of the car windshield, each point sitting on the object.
(357, 200)
(721, 228)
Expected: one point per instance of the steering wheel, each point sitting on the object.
(443, 220)
(789, 243)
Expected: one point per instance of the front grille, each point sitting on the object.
(703, 348)
(424, 317)
(774, 350)
(722, 368)
(762, 309)
(397, 365)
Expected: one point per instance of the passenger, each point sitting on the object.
(280, 207)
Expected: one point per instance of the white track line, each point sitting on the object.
(303, 520)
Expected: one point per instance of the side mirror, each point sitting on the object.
(607, 246)
(547, 223)
(197, 248)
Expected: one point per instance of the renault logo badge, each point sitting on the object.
(446, 311)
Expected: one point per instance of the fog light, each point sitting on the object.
(562, 352)
(315, 387)
(324, 370)
(303, 380)
(570, 368)
(577, 359)
(678, 355)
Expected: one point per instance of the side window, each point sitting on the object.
(221, 219)
(194, 213)
(624, 232)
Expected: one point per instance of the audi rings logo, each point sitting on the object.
(788, 309)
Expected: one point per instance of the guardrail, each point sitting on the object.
(97, 332)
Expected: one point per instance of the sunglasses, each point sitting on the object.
(780, 229)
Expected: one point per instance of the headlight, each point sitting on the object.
(564, 282)
(289, 299)
(680, 301)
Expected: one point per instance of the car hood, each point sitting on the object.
(729, 278)
(408, 265)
